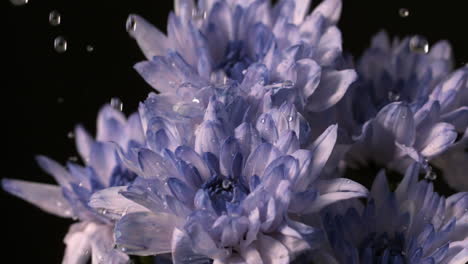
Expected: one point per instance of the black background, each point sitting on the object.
(35, 122)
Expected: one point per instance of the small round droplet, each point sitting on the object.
(60, 100)
(262, 120)
(290, 118)
(70, 135)
(430, 175)
(419, 44)
(131, 24)
(60, 44)
(54, 18)
(393, 96)
(89, 48)
(244, 72)
(226, 184)
(19, 2)
(116, 103)
(403, 12)
(80, 184)
(195, 100)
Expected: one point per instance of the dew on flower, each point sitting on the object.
(19, 2)
(290, 118)
(60, 44)
(393, 96)
(55, 18)
(130, 24)
(403, 12)
(419, 44)
(196, 100)
(262, 120)
(116, 103)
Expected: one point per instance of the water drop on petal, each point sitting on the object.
(60, 44)
(54, 18)
(393, 96)
(403, 12)
(288, 84)
(116, 103)
(130, 25)
(419, 44)
(196, 100)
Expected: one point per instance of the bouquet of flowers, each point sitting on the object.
(264, 143)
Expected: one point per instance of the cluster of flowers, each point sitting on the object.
(242, 156)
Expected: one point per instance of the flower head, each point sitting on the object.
(411, 225)
(407, 103)
(222, 185)
(93, 234)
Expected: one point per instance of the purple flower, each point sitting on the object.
(412, 225)
(406, 106)
(224, 186)
(218, 42)
(93, 234)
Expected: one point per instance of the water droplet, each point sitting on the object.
(73, 158)
(80, 184)
(70, 134)
(89, 48)
(419, 44)
(118, 234)
(196, 15)
(130, 25)
(226, 184)
(54, 18)
(59, 204)
(430, 175)
(290, 118)
(244, 72)
(116, 103)
(60, 100)
(60, 44)
(393, 96)
(403, 12)
(196, 100)
(288, 84)
(19, 2)
(262, 120)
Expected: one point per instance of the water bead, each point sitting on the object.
(19, 2)
(54, 18)
(130, 25)
(419, 44)
(89, 48)
(60, 44)
(403, 12)
(116, 103)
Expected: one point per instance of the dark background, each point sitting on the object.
(36, 77)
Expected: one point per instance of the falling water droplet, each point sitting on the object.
(60, 100)
(60, 44)
(54, 18)
(393, 96)
(19, 2)
(403, 12)
(116, 103)
(130, 24)
(70, 135)
(419, 44)
(89, 48)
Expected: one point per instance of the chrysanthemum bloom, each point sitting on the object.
(93, 234)
(217, 42)
(405, 104)
(411, 225)
(226, 191)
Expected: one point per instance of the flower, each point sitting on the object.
(94, 231)
(406, 106)
(218, 41)
(411, 225)
(227, 190)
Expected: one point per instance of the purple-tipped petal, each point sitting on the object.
(113, 203)
(145, 233)
(151, 41)
(45, 196)
(333, 85)
(440, 138)
(331, 9)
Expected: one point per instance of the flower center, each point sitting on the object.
(224, 192)
(236, 60)
(379, 245)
